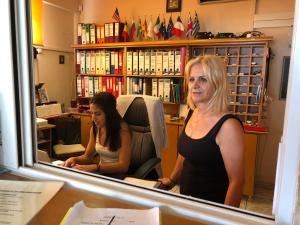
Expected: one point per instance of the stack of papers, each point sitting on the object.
(80, 214)
(22, 200)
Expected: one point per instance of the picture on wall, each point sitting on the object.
(173, 6)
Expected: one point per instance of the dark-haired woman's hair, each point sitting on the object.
(107, 103)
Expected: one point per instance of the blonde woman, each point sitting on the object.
(210, 162)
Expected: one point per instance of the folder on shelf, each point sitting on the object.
(141, 62)
(118, 32)
(93, 62)
(147, 62)
(79, 33)
(111, 32)
(106, 32)
(78, 84)
(104, 84)
(177, 62)
(128, 88)
(77, 61)
(88, 62)
(91, 86)
(154, 87)
(165, 63)
(98, 34)
(82, 62)
(102, 62)
(158, 66)
(120, 61)
(112, 62)
(140, 90)
(92, 33)
(87, 33)
(161, 89)
(100, 88)
(167, 89)
(129, 63)
(107, 62)
(98, 62)
(102, 37)
(83, 35)
(182, 63)
(86, 86)
(135, 63)
(116, 62)
(153, 62)
(171, 62)
(83, 86)
(96, 85)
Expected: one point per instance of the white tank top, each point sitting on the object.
(106, 156)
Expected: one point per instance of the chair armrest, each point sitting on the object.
(146, 168)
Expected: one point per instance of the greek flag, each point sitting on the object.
(196, 26)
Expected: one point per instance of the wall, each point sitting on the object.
(59, 18)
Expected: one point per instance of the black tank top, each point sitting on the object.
(203, 175)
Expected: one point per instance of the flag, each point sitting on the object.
(189, 28)
(150, 33)
(163, 30)
(116, 15)
(178, 27)
(132, 31)
(145, 28)
(156, 28)
(125, 32)
(170, 28)
(196, 26)
(139, 30)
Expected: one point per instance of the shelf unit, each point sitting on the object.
(245, 59)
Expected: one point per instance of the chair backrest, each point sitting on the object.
(67, 130)
(142, 148)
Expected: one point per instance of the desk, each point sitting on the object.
(57, 207)
(44, 138)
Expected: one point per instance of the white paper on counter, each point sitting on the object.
(21, 200)
(80, 214)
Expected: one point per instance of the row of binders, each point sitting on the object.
(87, 86)
(138, 62)
(92, 33)
(165, 88)
(156, 62)
(99, 62)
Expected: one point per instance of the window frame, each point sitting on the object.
(19, 141)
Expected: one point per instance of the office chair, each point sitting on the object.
(66, 137)
(144, 164)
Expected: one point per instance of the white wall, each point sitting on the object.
(58, 36)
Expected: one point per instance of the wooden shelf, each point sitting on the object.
(176, 43)
(245, 60)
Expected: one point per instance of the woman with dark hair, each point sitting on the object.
(109, 137)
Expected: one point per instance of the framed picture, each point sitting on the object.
(173, 6)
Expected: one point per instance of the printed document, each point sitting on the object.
(21, 200)
(80, 214)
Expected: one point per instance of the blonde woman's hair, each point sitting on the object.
(214, 69)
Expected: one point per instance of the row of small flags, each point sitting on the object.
(159, 29)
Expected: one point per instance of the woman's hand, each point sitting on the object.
(87, 168)
(167, 183)
(70, 162)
